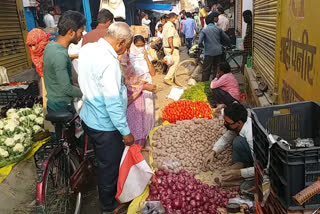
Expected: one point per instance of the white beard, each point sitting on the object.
(116, 7)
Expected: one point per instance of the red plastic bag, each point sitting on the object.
(134, 174)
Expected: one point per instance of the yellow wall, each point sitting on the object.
(298, 50)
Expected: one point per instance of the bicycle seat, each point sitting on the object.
(59, 117)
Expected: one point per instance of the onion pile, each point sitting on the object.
(181, 193)
(186, 144)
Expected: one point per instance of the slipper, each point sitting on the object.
(258, 93)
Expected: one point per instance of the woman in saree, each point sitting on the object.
(140, 112)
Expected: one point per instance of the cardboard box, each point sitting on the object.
(141, 30)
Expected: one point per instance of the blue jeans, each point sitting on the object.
(241, 152)
(189, 43)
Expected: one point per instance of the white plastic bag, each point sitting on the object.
(134, 174)
(168, 60)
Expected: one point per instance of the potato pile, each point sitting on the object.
(186, 144)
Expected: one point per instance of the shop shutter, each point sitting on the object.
(13, 52)
(264, 40)
(239, 17)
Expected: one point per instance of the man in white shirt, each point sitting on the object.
(146, 22)
(48, 18)
(223, 22)
(159, 33)
(239, 125)
(104, 110)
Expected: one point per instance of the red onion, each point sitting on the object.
(159, 173)
(188, 198)
(193, 203)
(198, 197)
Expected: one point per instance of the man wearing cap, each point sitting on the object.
(212, 38)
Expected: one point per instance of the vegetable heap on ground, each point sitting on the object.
(181, 193)
(22, 102)
(186, 144)
(186, 110)
(17, 129)
(198, 92)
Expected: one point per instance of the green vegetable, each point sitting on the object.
(198, 92)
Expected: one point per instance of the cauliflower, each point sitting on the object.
(24, 112)
(22, 119)
(32, 117)
(37, 109)
(39, 120)
(1, 132)
(12, 110)
(36, 128)
(13, 115)
(1, 124)
(19, 137)
(4, 153)
(10, 125)
(9, 142)
(18, 148)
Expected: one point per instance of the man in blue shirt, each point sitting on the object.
(213, 38)
(104, 110)
(189, 27)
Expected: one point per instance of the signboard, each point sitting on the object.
(298, 51)
(140, 30)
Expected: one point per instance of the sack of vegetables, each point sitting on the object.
(16, 132)
(186, 110)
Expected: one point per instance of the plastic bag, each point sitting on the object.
(168, 60)
(152, 207)
(134, 174)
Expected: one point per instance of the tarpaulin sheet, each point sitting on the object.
(151, 6)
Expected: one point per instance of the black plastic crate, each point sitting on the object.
(291, 169)
(11, 95)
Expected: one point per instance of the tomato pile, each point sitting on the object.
(186, 110)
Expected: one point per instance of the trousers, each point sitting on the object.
(241, 152)
(210, 64)
(108, 147)
(176, 59)
(219, 96)
(189, 43)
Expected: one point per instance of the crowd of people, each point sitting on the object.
(114, 74)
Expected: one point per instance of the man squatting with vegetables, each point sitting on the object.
(238, 123)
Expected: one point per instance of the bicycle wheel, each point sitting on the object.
(59, 198)
(184, 71)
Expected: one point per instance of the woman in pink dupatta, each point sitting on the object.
(140, 123)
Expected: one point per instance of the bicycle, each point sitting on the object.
(64, 170)
(182, 76)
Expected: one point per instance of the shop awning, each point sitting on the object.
(151, 6)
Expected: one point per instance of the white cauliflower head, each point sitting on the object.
(39, 120)
(32, 117)
(10, 125)
(18, 148)
(36, 128)
(23, 118)
(9, 142)
(19, 137)
(4, 153)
